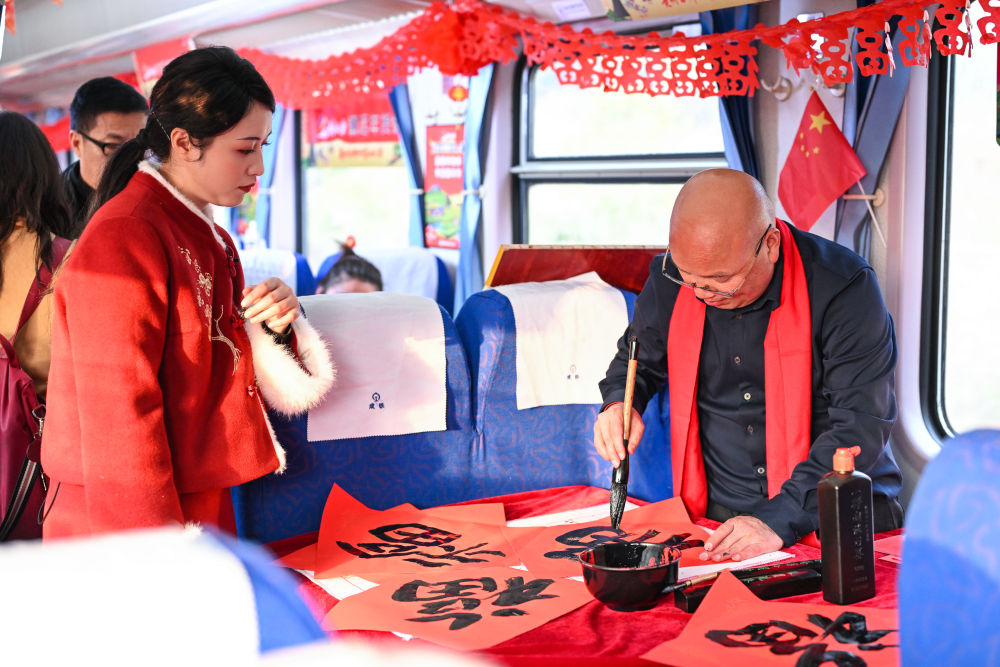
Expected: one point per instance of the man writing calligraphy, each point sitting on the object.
(777, 348)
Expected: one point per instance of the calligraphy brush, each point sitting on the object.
(619, 476)
(745, 573)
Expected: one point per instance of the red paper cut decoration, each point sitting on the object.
(821, 165)
(462, 37)
(733, 626)
(470, 609)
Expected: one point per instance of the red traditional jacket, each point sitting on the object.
(156, 382)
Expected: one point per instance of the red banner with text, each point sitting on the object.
(443, 185)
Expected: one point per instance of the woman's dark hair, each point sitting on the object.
(206, 92)
(349, 266)
(30, 186)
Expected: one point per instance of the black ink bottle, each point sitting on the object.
(846, 531)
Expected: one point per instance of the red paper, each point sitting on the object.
(732, 626)
(463, 609)
(554, 551)
(354, 539)
(890, 545)
(820, 167)
(488, 513)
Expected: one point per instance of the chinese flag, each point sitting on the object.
(820, 167)
(9, 22)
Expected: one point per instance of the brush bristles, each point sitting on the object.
(618, 493)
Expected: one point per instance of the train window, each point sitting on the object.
(970, 391)
(602, 167)
(355, 187)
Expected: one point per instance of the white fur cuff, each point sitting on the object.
(288, 386)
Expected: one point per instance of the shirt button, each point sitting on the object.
(750, 429)
(740, 316)
(761, 470)
(251, 390)
(746, 396)
(737, 360)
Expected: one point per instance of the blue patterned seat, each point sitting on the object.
(547, 446)
(425, 469)
(949, 580)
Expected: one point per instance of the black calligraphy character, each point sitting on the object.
(518, 593)
(456, 599)
(815, 655)
(459, 592)
(580, 539)
(851, 628)
(413, 542)
(778, 635)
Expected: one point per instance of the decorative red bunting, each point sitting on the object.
(462, 37)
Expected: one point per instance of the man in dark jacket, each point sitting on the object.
(777, 349)
(104, 114)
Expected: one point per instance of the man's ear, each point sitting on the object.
(182, 147)
(773, 244)
(76, 143)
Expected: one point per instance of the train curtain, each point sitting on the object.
(469, 275)
(871, 110)
(736, 111)
(261, 207)
(399, 97)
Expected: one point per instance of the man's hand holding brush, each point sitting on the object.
(608, 431)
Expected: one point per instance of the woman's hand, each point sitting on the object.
(272, 302)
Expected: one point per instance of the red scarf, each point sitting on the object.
(787, 383)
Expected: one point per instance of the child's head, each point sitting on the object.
(350, 273)
(202, 95)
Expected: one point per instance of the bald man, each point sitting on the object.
(777, 348)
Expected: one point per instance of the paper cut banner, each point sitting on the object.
(733, 626)
(553, 553)
(354, 539)
(469, 609)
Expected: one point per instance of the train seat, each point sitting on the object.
(291, 267)
(333, 444)
(407, 271)
(548, 445)
(161, 596)
(949, 580)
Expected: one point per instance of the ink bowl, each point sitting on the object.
(629, 576)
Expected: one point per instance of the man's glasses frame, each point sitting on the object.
(692, 285)
(107, 147)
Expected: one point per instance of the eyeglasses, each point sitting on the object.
(668, 264)
(107, 147)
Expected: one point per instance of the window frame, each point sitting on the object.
(529, 170)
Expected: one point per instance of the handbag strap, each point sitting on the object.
(60, 247)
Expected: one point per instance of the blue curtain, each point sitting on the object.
(871, 109)
(469, 275)
(735, 110)
(399, 97)
(262, 212)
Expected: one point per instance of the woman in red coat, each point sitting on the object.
(162, 360)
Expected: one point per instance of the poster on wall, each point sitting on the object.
(443, 185)
(362, 135)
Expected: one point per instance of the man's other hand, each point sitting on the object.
(608, 432)
(740, 538)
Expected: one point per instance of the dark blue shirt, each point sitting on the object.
(853, 399)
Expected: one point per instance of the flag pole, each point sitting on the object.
(868, 202)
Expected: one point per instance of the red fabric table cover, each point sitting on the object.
(592, 634)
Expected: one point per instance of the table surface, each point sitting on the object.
(592, 634)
